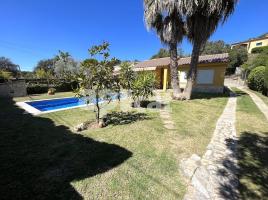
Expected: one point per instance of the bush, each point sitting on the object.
(266, 80)
(256, 79)
(51, 91)
(40, 88)
(66, 86)
(143, 86)
(260, 50)
(237, 57)
(37, 89)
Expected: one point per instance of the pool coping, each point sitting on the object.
(31, 110)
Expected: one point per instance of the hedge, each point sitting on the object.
(256, 79)
(39, 88)
(266, 79)
(260, 50)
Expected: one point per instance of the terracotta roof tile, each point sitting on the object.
(159, 62)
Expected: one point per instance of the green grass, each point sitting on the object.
(252, 128)
(195, 121)
(264, 98)
(42, 158)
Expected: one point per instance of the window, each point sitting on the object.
(259, 44)
(205, 76)
(183, 76)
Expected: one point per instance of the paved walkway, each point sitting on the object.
(258, 101)
(165, 113)
(214, 176)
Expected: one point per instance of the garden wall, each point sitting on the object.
(13, 88)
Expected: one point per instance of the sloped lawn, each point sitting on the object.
(252, 128)
(133, 158)
(264, 98)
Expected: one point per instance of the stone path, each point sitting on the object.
(165, 114)
(258, 101)
(214, 175)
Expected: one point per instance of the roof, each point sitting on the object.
(253, 39)
(160, 62)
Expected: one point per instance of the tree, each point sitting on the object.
(42, 74)
(216, 47)
(237, 57)
(127, 75)
(5, 75)
(62, 56)
(46, 65)
(96, 77)
(166, 18)
(27, 75)
(202, 19)
(66, 68)
(162, 53)
(254, 61)
(8, 66)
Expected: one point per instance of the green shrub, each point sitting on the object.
(66, 86)
(260, 50)
(266, 80)
(256, 79)
(5, 75)
(40, 88)
(237, 57)
(143, 86)
(37, 89)
(51, 91)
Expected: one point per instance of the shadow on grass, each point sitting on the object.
(122, 118)
(198, 95)
(251, 169)
(152, 104)
(240, 93)
(39, 159)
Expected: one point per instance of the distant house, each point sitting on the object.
(210, 75)
(252, 43)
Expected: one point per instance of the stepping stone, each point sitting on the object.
(169, 126)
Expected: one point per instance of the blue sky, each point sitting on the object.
(33, 29)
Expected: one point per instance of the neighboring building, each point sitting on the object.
(252, 43)
(210, 75)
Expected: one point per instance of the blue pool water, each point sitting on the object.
(55, 104)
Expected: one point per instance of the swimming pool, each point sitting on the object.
(52, 105)
(55, 104)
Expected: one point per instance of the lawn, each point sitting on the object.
(132, 158)
(252, 128)
(264, 98)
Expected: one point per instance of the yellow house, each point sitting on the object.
(210, 74)
(252, 43)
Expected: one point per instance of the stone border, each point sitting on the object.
(215, 175)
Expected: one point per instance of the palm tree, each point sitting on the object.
(62, 56)
(202, 19)
(166, 18)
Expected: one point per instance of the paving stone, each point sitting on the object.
(218, 166)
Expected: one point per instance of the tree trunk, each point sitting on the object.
(191, 78)
(174, 75)
(98, 107)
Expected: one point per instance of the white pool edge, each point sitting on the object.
(31, 110)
